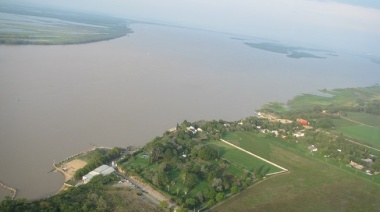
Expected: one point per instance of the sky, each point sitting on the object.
(347, 25)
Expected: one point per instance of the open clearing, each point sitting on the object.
(72, 166)
(318, 185)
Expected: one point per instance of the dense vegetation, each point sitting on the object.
(186, 165)
(97, 195)
(23, 25)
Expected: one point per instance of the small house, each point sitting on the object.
(312, 148)
(303, 122)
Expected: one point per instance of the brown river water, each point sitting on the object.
(56, 101)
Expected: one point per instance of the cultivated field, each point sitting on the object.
(361, 126)
(311, 184)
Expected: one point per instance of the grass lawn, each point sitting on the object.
(365, 118)
(235, 170)
(368, 135)
(311, 185)
(338, 123)
(140, 161)
(257, 143)
(241, 159)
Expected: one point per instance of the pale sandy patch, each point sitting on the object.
(72, 166)
(68, 170)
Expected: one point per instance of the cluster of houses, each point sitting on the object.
(193, 130)
(312, 148)
(103, 170)
(273, 118)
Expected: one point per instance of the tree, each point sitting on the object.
(200, 197)
(168, 155)
(220, 196)
(209, 193)
(101, 204)
(190, 202)
(191, 180)
(210, 203)
(182, 209)
(207, 153)
(234, 189)
(164, 204)
(157, 152)
(217, 184)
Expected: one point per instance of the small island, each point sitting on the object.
(289, 51)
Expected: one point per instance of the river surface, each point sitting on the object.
(56, 101)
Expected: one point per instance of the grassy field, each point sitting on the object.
(241, 159)
(365, 118)
(367, 135)
(361, 126)
(253, 142)
(311, 185)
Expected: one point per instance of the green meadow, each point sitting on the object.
(360, 126)
(241, 160)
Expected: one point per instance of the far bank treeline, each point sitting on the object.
(51, 26)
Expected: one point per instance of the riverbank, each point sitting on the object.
(14, 191)
(68, 170)
(71, 164)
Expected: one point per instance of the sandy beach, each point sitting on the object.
(68, 170)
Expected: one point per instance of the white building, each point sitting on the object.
(103, 170)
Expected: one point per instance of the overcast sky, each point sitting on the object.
(335, 24)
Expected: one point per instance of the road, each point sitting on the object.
(151, 194)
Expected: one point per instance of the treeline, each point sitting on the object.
(98, 161)
(373, 107)
(23, 39)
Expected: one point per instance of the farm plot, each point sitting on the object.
(241, 159)
(360, 126)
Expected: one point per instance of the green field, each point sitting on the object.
(242, 159)
(368, 135)
(361, 126)
(312, 184)
(365, 118)
(252, 142)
